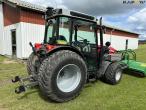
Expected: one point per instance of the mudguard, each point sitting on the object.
(103, 68)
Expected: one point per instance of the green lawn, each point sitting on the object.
(130, 94)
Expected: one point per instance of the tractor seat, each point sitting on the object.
(61, 40)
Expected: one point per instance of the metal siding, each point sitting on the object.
(11, 15)
(30, 33)
(32, 17)
(121, 33)
(8, 41)
(119, 42)
(19, 41)
(1, 29)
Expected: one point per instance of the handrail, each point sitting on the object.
(126, 54)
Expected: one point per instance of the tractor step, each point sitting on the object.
(23, 87)
(16, 79)
(29, 78)
(20, 89)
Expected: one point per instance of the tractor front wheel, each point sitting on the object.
(62, 76)
(113, 74)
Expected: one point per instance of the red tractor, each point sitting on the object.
(71, 55)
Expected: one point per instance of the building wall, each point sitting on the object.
(31, 17)
(11, 15)
(120, 33)
(30, 33)
(119, 42)
(1, 29)
(29, 26)
(8, 40)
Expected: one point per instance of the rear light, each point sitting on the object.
(50, 47)
(38, 46)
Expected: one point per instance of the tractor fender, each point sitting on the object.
(103, 68)
(71, 48)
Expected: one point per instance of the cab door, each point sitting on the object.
(85, 39)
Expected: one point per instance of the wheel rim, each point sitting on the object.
(69, 78)
(118, 75)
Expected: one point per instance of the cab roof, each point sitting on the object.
(56, 12)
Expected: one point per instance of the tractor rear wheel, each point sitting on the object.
(31, 64)
(113, 74)
(62, 76)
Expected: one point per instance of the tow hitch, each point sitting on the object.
(23, 85)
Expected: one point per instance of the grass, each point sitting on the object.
(128, 95)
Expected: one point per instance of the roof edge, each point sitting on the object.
(25, 4)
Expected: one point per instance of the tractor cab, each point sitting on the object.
(74, 30)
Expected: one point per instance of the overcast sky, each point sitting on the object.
(127, 16)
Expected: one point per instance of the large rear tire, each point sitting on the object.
(62, 76)
(31, 64)
(113, 74)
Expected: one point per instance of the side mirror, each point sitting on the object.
(107, 44)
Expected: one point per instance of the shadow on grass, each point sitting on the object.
(35, 90)
(44, 97)
(134, 73)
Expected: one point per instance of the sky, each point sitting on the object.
(126, 14)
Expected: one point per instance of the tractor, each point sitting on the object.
(71, 55)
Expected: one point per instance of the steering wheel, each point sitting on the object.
(80, 44)
(85, 41)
